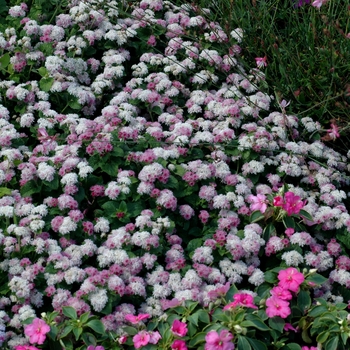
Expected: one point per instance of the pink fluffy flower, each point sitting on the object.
(290, 279)
(216, 341)
(277, 307)
(36, 331)
(179, 328)
(179, 345)
(241, 299)
(258, 202)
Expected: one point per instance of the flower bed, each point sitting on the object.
(151, 196)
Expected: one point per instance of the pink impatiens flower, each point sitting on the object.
(318, 3)
(25, 347)
(136, 319)
(333, 132)
(142, 338)
(241, 299)
(258, 202)
(179, 328)
(216, 341)
(179, 345)
(291, 203)
(36, 331)
(277, 307)
(261, 62)
(290, 279)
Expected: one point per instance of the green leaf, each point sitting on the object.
(130, 330)
(332, 344)
(304, 300)
(317, 279)
(264, 290)
(277, 323)
(256, 216)
(322, 337)
(4, 191)
(255, 323)
(270, 277)
(218, 315)
(157, 110)
(97, 326)
(257, 344)
(74, 104)
(5, 59)
(293, 346)
(111, 167)
(77, 332)
(203, 316)
(230, 293)
(317, 311)
(31, 187)
(243, 343)
(53, 332)
(69, 312)
(54, 184)
(84, 317)
(135, 208)
(288, 222)
(268, 231)
(89, 339)
(197, 339)
(193, 319)
(43, 71)
(3, 6)
(46, 83)
(306, 215)
(66, 344)
(179, 170)
(66, 331)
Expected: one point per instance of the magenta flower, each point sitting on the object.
(136, 319)
(179, 328)
(179, 345)
(36, 331)
(277, 307)
(292, 203)
(25, 347)
(281, 293)
(258, 202)
(241, 299)
(288, 327)
(216, 341)
(142, 338)
(278, 201)
(290, 279)
(98, 347)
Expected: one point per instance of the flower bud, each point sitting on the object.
(238, 329)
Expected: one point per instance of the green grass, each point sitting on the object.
(307, 49)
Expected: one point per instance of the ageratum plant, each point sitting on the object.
(149, 196)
